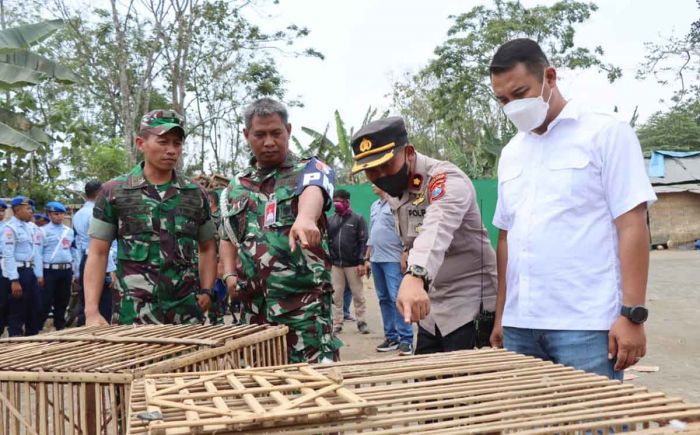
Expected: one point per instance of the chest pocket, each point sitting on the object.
(188, 214)
(285, 208)
(135, 225)
(22, 235)
(134, 215)
(564, 169)
(512, 184)
(414, 219)
(236, 219)
(134, 244)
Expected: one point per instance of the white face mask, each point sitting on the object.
(528, 113)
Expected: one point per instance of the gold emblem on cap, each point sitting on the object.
(365, 145)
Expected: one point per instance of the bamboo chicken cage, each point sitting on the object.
(78, 381)
(482, 391)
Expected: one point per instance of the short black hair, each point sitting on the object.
(520, 50)
(341, 194)
(92, 187)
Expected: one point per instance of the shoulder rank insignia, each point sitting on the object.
(417, 181)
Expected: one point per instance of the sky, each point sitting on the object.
(369, 43)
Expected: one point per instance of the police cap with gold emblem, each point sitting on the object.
(376, 142)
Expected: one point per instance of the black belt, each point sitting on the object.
(24, 264)
(58, 266)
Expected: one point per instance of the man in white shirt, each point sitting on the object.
(573, 250)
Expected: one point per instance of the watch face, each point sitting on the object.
(639, 314)
(418, 270)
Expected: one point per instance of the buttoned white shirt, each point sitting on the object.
(558, 196)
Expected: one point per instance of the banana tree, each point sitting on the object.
(339, 155)
(20, 67)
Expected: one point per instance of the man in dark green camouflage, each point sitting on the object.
(275, 203)
(161, 220)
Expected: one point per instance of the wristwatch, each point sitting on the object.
(206, 291)
(419, 272)
(637, 314)
(227, 276)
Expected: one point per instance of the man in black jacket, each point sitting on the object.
(347, 232)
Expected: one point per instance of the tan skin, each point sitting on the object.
(626, 340)
(24, 213)
(268, 137)
(161, 154)
(412, 300)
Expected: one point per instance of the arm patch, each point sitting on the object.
(317, 173)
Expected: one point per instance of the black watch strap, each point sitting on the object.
(636, 314)
(206, 291)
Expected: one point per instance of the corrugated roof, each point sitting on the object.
(678, 170)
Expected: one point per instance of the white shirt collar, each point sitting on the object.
(571, 110)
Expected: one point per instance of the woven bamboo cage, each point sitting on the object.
(483, 391)
(78, 381)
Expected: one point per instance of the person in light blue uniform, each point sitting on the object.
(22, 269)
(41, 219)
(3, 298)
(81, 224)
(59, 258)
(109, 297)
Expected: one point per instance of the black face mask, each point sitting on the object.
(395, 184)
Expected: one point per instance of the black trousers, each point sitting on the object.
(105, 305)
(23, 313)
(461, 338)
(56, 293)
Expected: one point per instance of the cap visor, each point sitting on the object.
(372, 161)
(164, 128)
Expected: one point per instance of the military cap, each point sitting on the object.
(21, 200)
(376, 142)
(161, 121)
(38, 217)
(55, 206)
(3, 204)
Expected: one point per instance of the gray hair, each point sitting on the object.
(264, 107)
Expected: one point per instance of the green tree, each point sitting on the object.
(26, 134)
(20, 67)
(204, 58)
(674, 63)
(449, 105)
(677, 129)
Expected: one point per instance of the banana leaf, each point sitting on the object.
(25, 68)
(23, 37)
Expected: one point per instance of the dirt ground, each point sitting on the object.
(673, 328)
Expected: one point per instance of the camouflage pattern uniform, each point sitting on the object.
(278, 286)
(157, 243)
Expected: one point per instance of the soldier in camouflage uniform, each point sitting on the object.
(275, 203)
(160, 220)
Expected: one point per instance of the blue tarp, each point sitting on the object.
(656, 165)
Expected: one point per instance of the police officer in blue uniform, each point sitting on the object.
(3, 297)
(41, 219)
(59, 258)
(22, 269)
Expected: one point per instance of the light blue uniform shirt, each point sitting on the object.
(112, 257)
(81, 224)
(56, 246)
(386, 244)
(21, 241)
